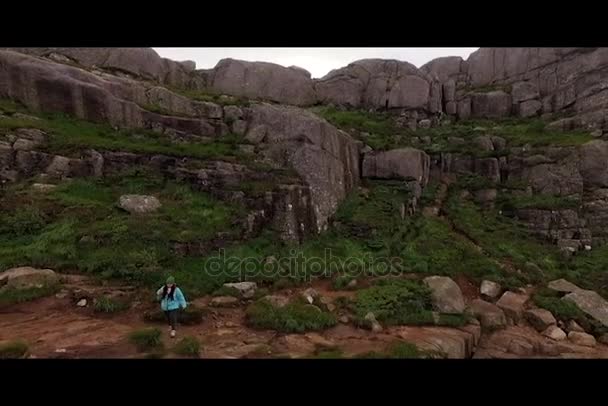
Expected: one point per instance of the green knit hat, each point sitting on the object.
(170, 280)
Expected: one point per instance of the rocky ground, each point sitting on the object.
(486, 179)
(67, 325)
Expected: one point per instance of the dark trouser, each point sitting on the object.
(172, 317)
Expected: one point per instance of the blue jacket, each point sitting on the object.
(178, 300)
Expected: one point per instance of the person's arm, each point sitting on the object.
(180, 298)
(159, 293)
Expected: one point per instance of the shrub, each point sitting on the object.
(395, 302)
(341, 282)
(146, 339)
(108, 305)
(13, 349)
(227, 291)
(295, 317)
(188, 347)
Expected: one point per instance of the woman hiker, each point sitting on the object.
(172, 300)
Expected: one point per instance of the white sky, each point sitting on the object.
(318, 61)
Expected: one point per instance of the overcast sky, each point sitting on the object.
(318, 61)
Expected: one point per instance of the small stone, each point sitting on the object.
(555, 333)
(43, 187)
(61, 350)
(540, 319)
(375, 326)
(603, 339)
(424, 123)
(352, 284)
(596, 133)
(61, 295)
(583, 339)
(490, 289)
(139, 204)
(344, 319)
(310, 295)
(574, 326)
(82, 303)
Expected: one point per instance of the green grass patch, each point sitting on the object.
(146, 339)
(13, 350)
(295, 317)
(538, 201)
(383, 132)
(188, 347)
(11, 296)
(401, 302)
(108, 305)
(341, 282)
(69, 136)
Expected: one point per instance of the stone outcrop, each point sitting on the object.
(537, 80)
(142, 63)
(326, 158)
(262, 80)
(403, 163)
(377, 83)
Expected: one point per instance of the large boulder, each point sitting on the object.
(591, 303)
(326, 158)
(563, 286)
(403, 163)
(447, 296)
(246, 289)
(490, 315)
(584, 339)
(27, 277)
(540, 319)
(139, 204)
(377, 83)
(262, 80)
(513, 304)
(555, 333)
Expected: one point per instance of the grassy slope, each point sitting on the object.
(384, 133)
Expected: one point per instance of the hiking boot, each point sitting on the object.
(172, 333)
